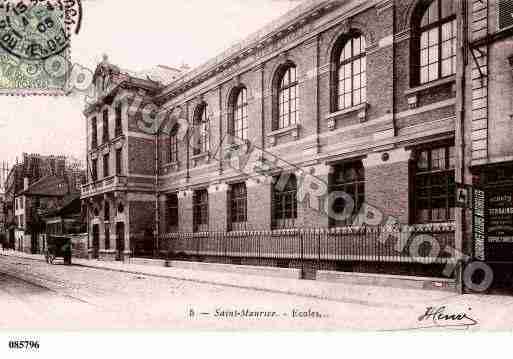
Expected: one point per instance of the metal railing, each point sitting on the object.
(413, 244)
(104, 185)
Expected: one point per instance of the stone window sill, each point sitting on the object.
(347, 110)
(412, 93)
(293, 130)
(361, 109)
(430, 85)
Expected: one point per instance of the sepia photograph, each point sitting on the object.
(254, 166)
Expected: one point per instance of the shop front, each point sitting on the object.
(493, 221)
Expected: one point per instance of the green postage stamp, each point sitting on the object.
(35, 39)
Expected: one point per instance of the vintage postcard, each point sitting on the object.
(270, 165)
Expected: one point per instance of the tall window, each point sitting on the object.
(202, 136)
(119, 161)
(351, 78)
(106, 165)
(172, 212)
(348, 178)
(94, 170)
(434, 185)
(285, 202)
(437, 41)
(240, 114)
(94, 133)
(105, 126)
(173, 148)
(238, 206)
(200, 210)
(288, 98)
(119, 128)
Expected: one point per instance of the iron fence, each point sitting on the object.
(413, 244)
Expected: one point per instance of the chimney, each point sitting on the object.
(25, 183)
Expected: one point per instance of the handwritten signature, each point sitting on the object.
(440, 317)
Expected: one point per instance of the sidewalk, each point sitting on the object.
(351, 293)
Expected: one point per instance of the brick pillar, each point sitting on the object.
(217, 207)
(185, 211)
(312, 190)
(259, 204)
(387, 183)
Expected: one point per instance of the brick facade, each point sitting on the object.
(400, 121)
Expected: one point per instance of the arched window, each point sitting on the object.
(436, 41)
(288, 98)
(202, 130)
(240, 114)
(351, 79)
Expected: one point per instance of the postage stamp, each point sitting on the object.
(32, 34)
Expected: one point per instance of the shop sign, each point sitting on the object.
(500, 224)
(479, 223)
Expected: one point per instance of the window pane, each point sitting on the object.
(356, 66)
(347, 85)
(433, 12)
(356, 97)
(347, 100)
(424, 57)
(433, 36)
(356, 82)
(347, 71)
(446, 67)
(433, 54)
(433, 72)
(424, 75)
(424, 40)
(348, 50)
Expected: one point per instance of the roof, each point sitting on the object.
(162, 74)
(71, 207)
(51, 186)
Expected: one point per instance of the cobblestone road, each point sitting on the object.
(36, 295)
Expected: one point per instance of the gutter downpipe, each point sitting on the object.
(460, 173)
(157, 230)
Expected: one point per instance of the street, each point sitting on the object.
(35, 295)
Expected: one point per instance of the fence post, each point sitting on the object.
(301, 255)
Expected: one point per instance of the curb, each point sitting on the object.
(298, 293)
(260, 289)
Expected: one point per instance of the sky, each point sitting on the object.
(136, 35)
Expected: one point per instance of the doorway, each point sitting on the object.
(120, 240)
(96, 241)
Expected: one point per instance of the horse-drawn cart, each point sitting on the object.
(58, 247)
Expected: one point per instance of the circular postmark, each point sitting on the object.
(38, 29)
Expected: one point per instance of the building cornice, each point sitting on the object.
(232, 67)
(249, 47)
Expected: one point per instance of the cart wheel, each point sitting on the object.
(51, 258)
